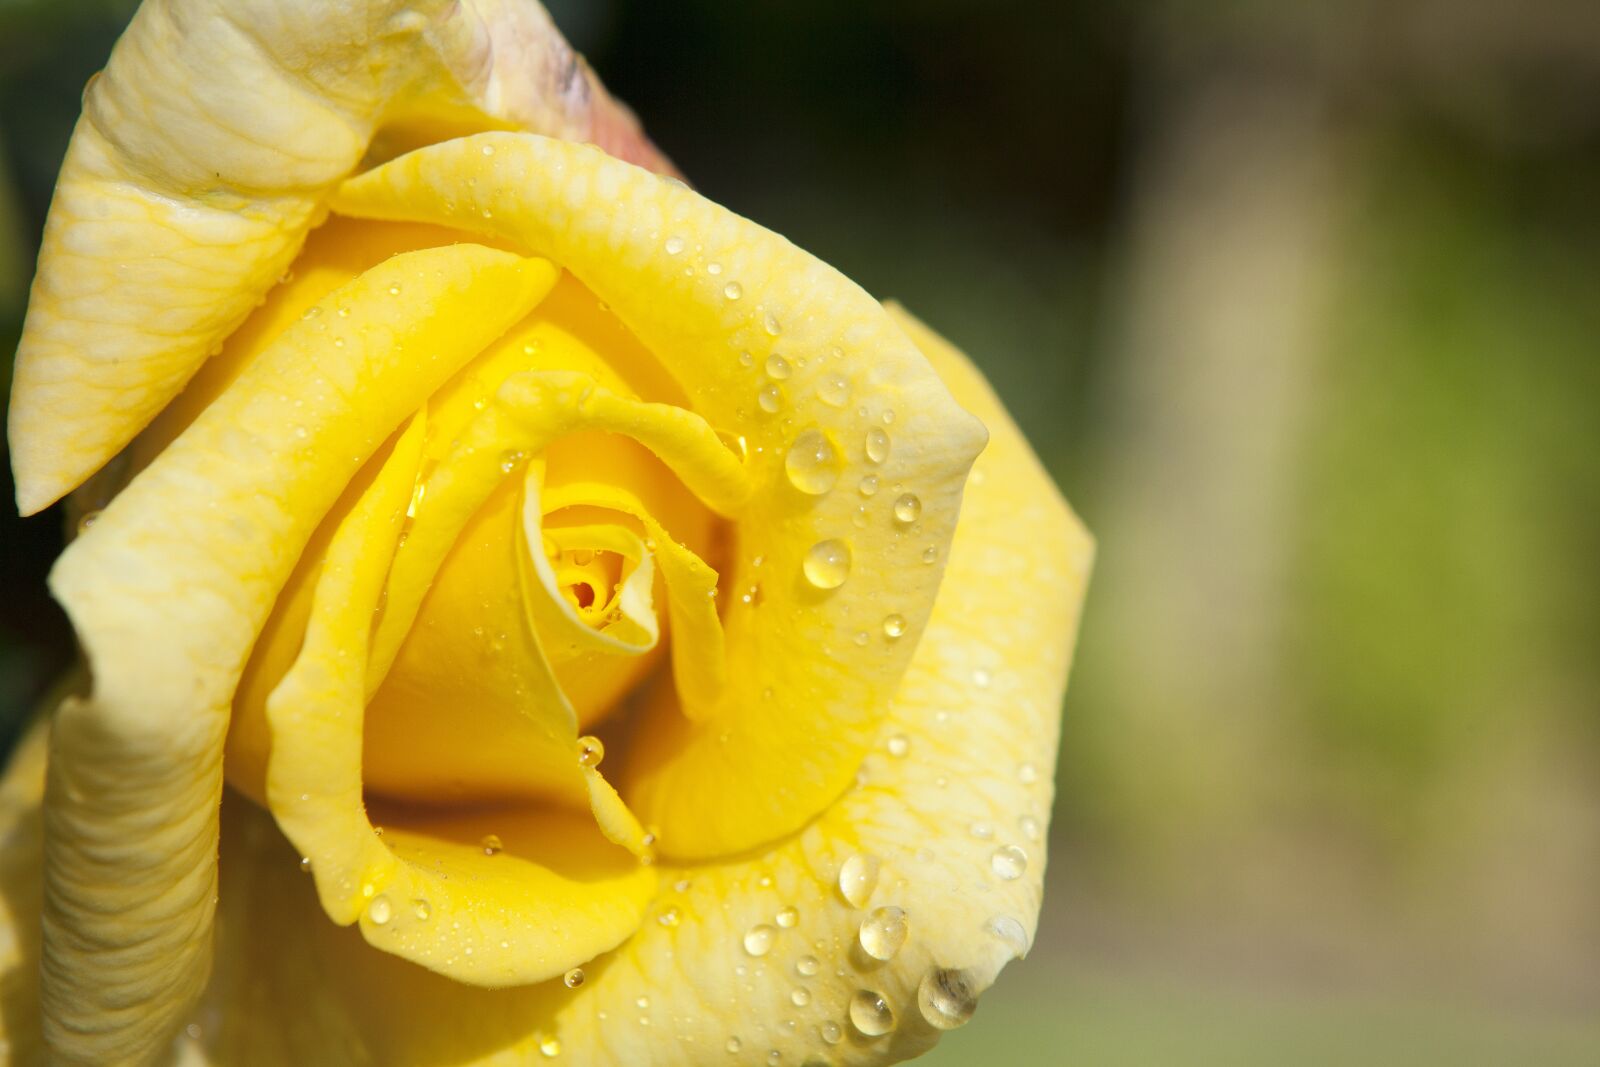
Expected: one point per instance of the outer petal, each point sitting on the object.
(724, 972)
(167, 614)
(202, 158)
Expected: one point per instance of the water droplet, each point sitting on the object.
(930, 554)
(877, 445)
(883, 932)
(1009, 862)
(1011, 932)
(812, 463)
(800, 997)
(946, 998)
(573, 978)
(674, 245)
(733, 290)
(591, 750)
(807, 966)
(871, 1013)
(834, 390)
(858, 877)
(510, 458)
(831, 1032)
(894, 626)
(861, 638)
(713, 268)
(312, 312)
(550, 1047)
(827, 564)
(788, 916)
(777, 367)
(1027, 774)
(772, 324)
(898, 745)
(669, 917)
(769, 398)
(1029, 827)
(734, 1045)
(492, 845)
(488, 149)
(869, 485)
(421, 909)
(89, 518)
(394, 290)
(981, 678)
(380, 911)
(983, 831)
(759, 938)
(907, 509)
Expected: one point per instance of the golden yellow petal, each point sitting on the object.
(204, 153)
(781, 351)
(166, 615)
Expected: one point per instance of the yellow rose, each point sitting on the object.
(563, 573)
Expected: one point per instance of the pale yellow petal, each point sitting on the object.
(167, 613)
(204, 154)
(782, 352)
(21, 889)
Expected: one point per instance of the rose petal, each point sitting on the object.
(794, 722)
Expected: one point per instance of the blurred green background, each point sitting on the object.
(1301, 305)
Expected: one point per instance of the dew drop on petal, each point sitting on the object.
(930, 554)
(858, 877)
(733, 1045)
(807, 966)
(871, 1014)
(573, 978)
(869, 485)
(777, 367)
(550, 1047)
(831, 1032)
(305, 864)
(1027, 774)
(769, 398)
(812, 463)
(1029, 827)
(674, 245)
(771, 323)
(733, 290)
(981, 678)
(1010, 931)
(894, 626)
(883, 932)
(834, 390)
(759, 938)
(1009, 862)
(787, 917)
(492, 845)
(946, 998)
(668, 917)
(380, 911)
(898, 745)
(421, 909)
(800, 997)
(907, 509)
(591, 750)
(827, 563)
(877, 445)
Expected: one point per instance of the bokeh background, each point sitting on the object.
(1301, 305)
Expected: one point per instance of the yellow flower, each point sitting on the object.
(563, 573)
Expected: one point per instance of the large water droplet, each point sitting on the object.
(894, 626)
(907, 509)
(380, 911)
(812, 463)
(871, 1014)
(827, 563)
(573, 978)
(877, 445)
(550, 1046)
(946, 998)
(883, 932)
(759, 938)
(787, 917)
(733, 290)
(858, 877)
(777, 367)
(1010, 931)
(591, 750)
(1009, 862)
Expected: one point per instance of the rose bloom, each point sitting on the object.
(528, 610)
